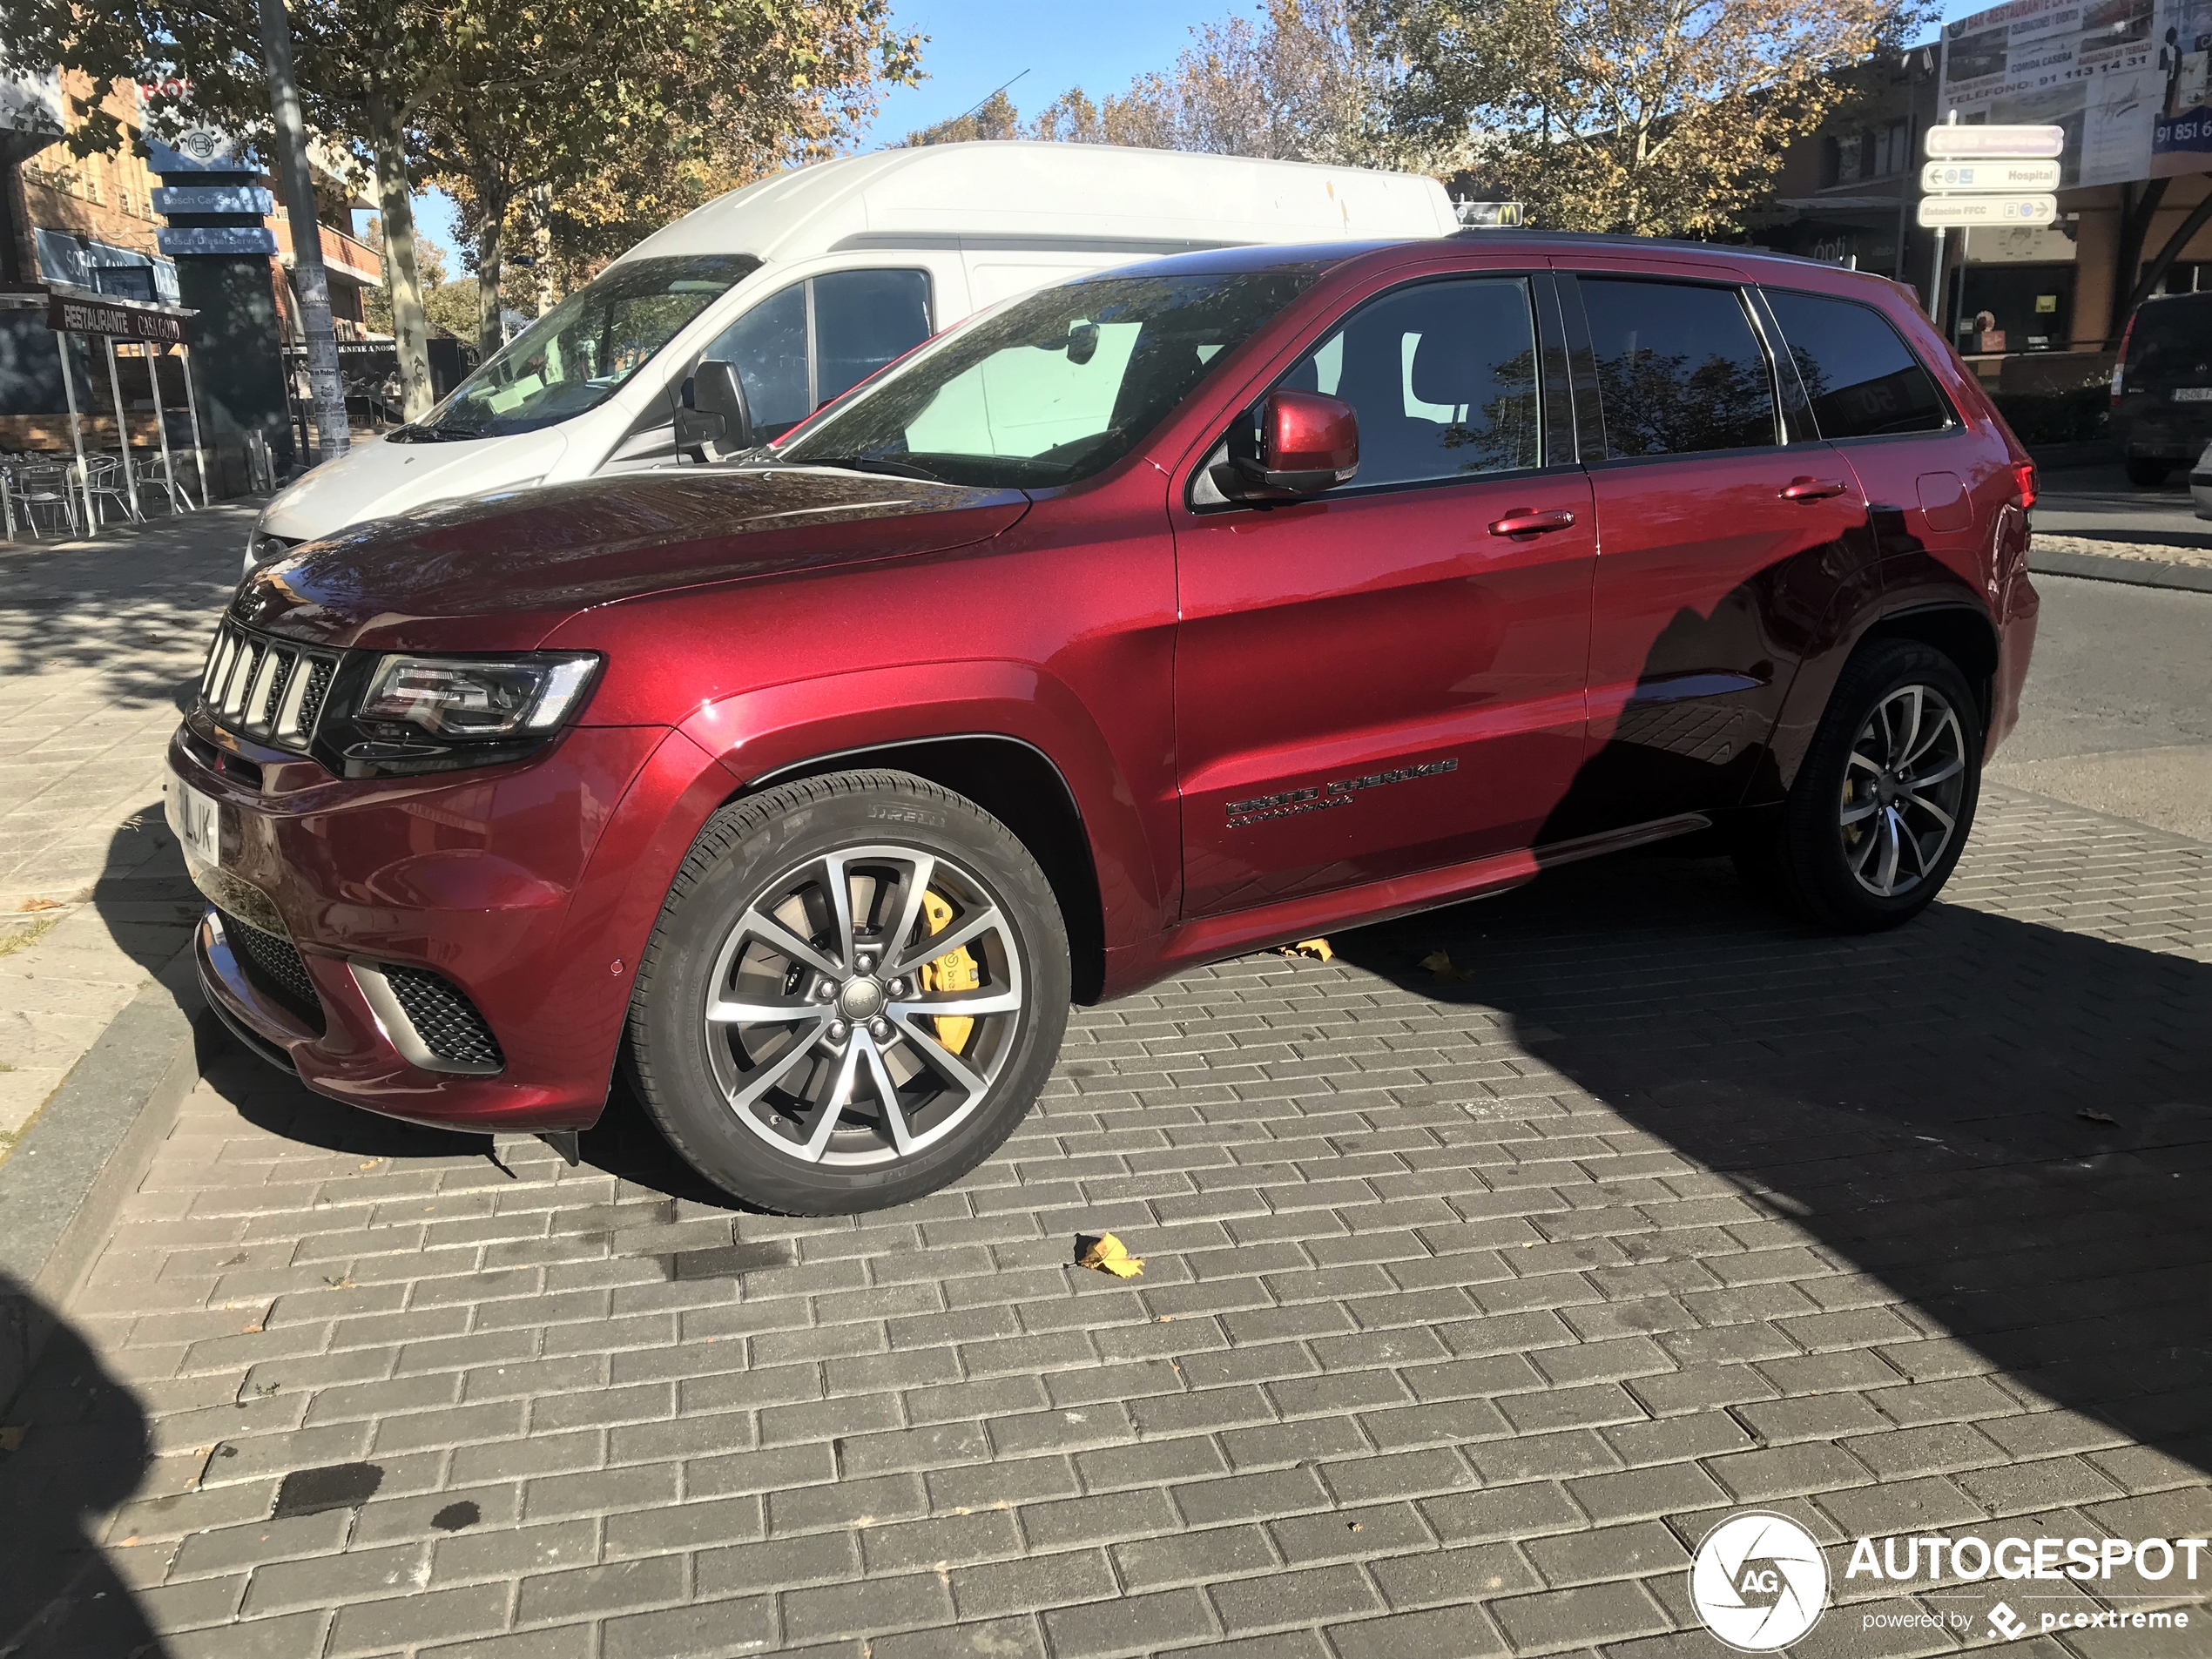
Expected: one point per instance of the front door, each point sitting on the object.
(1725, 532)
(1375, 681)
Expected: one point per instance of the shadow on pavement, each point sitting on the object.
(83, 1449)
(2008, 1125)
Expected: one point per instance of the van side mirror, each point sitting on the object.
(1308, 443)
(713, 420)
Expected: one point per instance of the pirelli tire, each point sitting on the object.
(817, 1055)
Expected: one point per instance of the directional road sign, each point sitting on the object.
(1940, 213)
(1988, 178)
(1953, 142)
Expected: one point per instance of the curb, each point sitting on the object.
(2141, 573)
(83, 1154)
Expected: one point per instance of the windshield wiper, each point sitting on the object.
(869, 463)
(433, 433)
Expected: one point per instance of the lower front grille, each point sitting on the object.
(445, 1020)
(274, 967)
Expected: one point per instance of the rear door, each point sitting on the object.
(1723, 531)
(1375, 680)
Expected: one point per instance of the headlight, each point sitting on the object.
(419, 714)
(478, 698)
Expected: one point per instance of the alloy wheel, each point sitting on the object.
(1903, 790)
(863, 1005)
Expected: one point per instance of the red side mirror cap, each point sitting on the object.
(1309, 442)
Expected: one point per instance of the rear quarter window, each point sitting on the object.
(1861, 377)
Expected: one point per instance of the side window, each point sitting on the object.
(1443, 375)
(1862, 379)
(1678, 367)
(768, 345)
(862, 320)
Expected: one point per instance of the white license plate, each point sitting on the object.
(196, 820)
(2193, 395)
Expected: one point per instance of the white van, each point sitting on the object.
(810, 281)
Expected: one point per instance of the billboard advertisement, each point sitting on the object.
(2126, 78)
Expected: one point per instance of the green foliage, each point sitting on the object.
(2057, 418)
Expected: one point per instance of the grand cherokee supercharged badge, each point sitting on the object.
(1319, 799)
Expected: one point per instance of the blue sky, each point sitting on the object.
(976, 44)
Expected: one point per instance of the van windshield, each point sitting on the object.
(579, 353)
(1051, 389)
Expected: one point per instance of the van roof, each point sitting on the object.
(1016, 194)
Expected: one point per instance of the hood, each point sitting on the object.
(500, 572)
(377, 478)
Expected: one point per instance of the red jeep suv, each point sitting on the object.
(1154, 617)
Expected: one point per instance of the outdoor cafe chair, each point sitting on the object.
(104, 481)
(43, 487)
(158, 483)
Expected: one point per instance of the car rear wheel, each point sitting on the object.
(857, 988)
(2146, 472)
(1883, 803)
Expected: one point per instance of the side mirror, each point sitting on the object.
(1309, 442)
(1083, 341)
(713, 420)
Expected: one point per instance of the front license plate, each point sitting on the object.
(196, 820)
(2193, 395)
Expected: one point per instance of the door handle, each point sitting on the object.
(1525, 522)
(1810, 489)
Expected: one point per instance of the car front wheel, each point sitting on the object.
(1881, 807)
(857, 988)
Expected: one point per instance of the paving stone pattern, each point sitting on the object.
(1469, 1304)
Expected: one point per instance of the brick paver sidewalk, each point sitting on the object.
(100, 644)
(1470, 1302)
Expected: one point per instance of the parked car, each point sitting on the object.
(808, 282)
(2162, 387)
(1154, 617)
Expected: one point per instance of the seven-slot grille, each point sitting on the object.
(271, 690)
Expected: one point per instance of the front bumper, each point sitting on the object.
(519, 888)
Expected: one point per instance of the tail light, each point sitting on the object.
(2024, 484)
(2120, 363)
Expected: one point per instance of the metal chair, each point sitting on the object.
(104, 481)
(46, 486)
(158, 482)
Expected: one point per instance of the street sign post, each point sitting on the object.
(1964, 212)
(1955, 178)
(1951, 142)
(1996, 176)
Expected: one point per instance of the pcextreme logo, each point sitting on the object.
(1759, 1581)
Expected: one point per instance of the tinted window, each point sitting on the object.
(1678, 367)
(2171, 337)
(1051, 389)
(1443, 376)
(767, 346)
(1862, 379)
(862, 320)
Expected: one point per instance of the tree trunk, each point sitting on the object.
(410, 328)
(541, 246)
(492, 203)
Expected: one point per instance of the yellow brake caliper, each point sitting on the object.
(954, 971)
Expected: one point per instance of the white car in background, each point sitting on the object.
(808, 283)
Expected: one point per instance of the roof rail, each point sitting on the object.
(1616, 238)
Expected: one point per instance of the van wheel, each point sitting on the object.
(857, 988)
(2146, 472)
(1884, 802)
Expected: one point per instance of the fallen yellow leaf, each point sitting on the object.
(1108, 1255)
(1317, 948)
(1439, 962)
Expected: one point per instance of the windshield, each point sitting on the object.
(579, 353)
(1051, 389)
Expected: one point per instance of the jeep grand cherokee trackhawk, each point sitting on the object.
(1154, 617)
